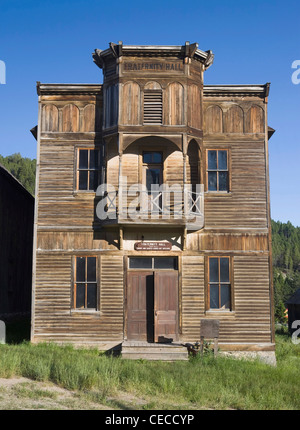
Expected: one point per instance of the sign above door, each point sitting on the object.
(152, 246)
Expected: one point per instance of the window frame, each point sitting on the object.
(231, 309)
(74, 284)
(99, 170)
(152, 165)
(228, 170)
(153, 257)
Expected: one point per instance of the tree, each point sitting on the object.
(23, 169)
(286, 264)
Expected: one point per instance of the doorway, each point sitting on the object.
(152, 179)
(152, 299)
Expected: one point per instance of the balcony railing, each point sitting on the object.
(163, 205)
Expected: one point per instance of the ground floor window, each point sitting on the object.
(85, 283)
(219, 283)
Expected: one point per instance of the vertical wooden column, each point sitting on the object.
(121, 235)
(184, 235)
(120, 182)
(120, 189)
(185, 196)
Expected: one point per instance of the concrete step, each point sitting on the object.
(152, 351)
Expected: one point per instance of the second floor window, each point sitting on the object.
(88, 169)
(217, 170)
(153, 169)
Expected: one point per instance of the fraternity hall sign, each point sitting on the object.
(153, 66)
(152, 246)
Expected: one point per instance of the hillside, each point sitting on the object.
(285, 238)
(286, 263)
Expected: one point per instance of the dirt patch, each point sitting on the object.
(25, 394)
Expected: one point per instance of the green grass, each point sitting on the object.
(206, 382)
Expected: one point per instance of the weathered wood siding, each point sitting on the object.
(238, 127)
(226, 116)
(59, 203)
(194, 106)
(65, 228)
(174, 104)
(248, 189)
(54, 317)
(192, 296)
(250, 320)
(131, 104)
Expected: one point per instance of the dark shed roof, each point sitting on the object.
(294, 299)
(10, 177)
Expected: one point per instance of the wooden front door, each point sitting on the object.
(165, 306)
(140, 318)
(152, 306)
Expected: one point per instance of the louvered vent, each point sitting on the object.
(153, 107)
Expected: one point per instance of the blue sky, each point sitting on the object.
(254, 42)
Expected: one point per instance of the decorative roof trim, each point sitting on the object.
(236, 90)
(45, 89)
(187, 50)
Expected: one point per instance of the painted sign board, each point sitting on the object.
(152, 246)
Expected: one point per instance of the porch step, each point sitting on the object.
(154, 351)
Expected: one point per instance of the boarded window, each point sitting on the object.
(85, 285)
(219, 283)
(217, 170)
(153, 106)
(89, 169)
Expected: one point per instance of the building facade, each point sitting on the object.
(152, 205)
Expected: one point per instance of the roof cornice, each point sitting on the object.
(48, 89)
(236, 90)
(187, 50)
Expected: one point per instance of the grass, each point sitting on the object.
(222, 383)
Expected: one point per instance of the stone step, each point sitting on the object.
(152, 350)
(157, 357)
(167, 352)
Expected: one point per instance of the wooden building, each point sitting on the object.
(115, 262)
(16, 237)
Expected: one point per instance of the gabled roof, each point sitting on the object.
(10, 177)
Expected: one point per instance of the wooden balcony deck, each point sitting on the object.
(159, 207)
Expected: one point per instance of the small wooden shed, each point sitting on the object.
(16, 236)
(293, 305)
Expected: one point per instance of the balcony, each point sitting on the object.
(162, 206)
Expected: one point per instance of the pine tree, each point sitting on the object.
(23, 169)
